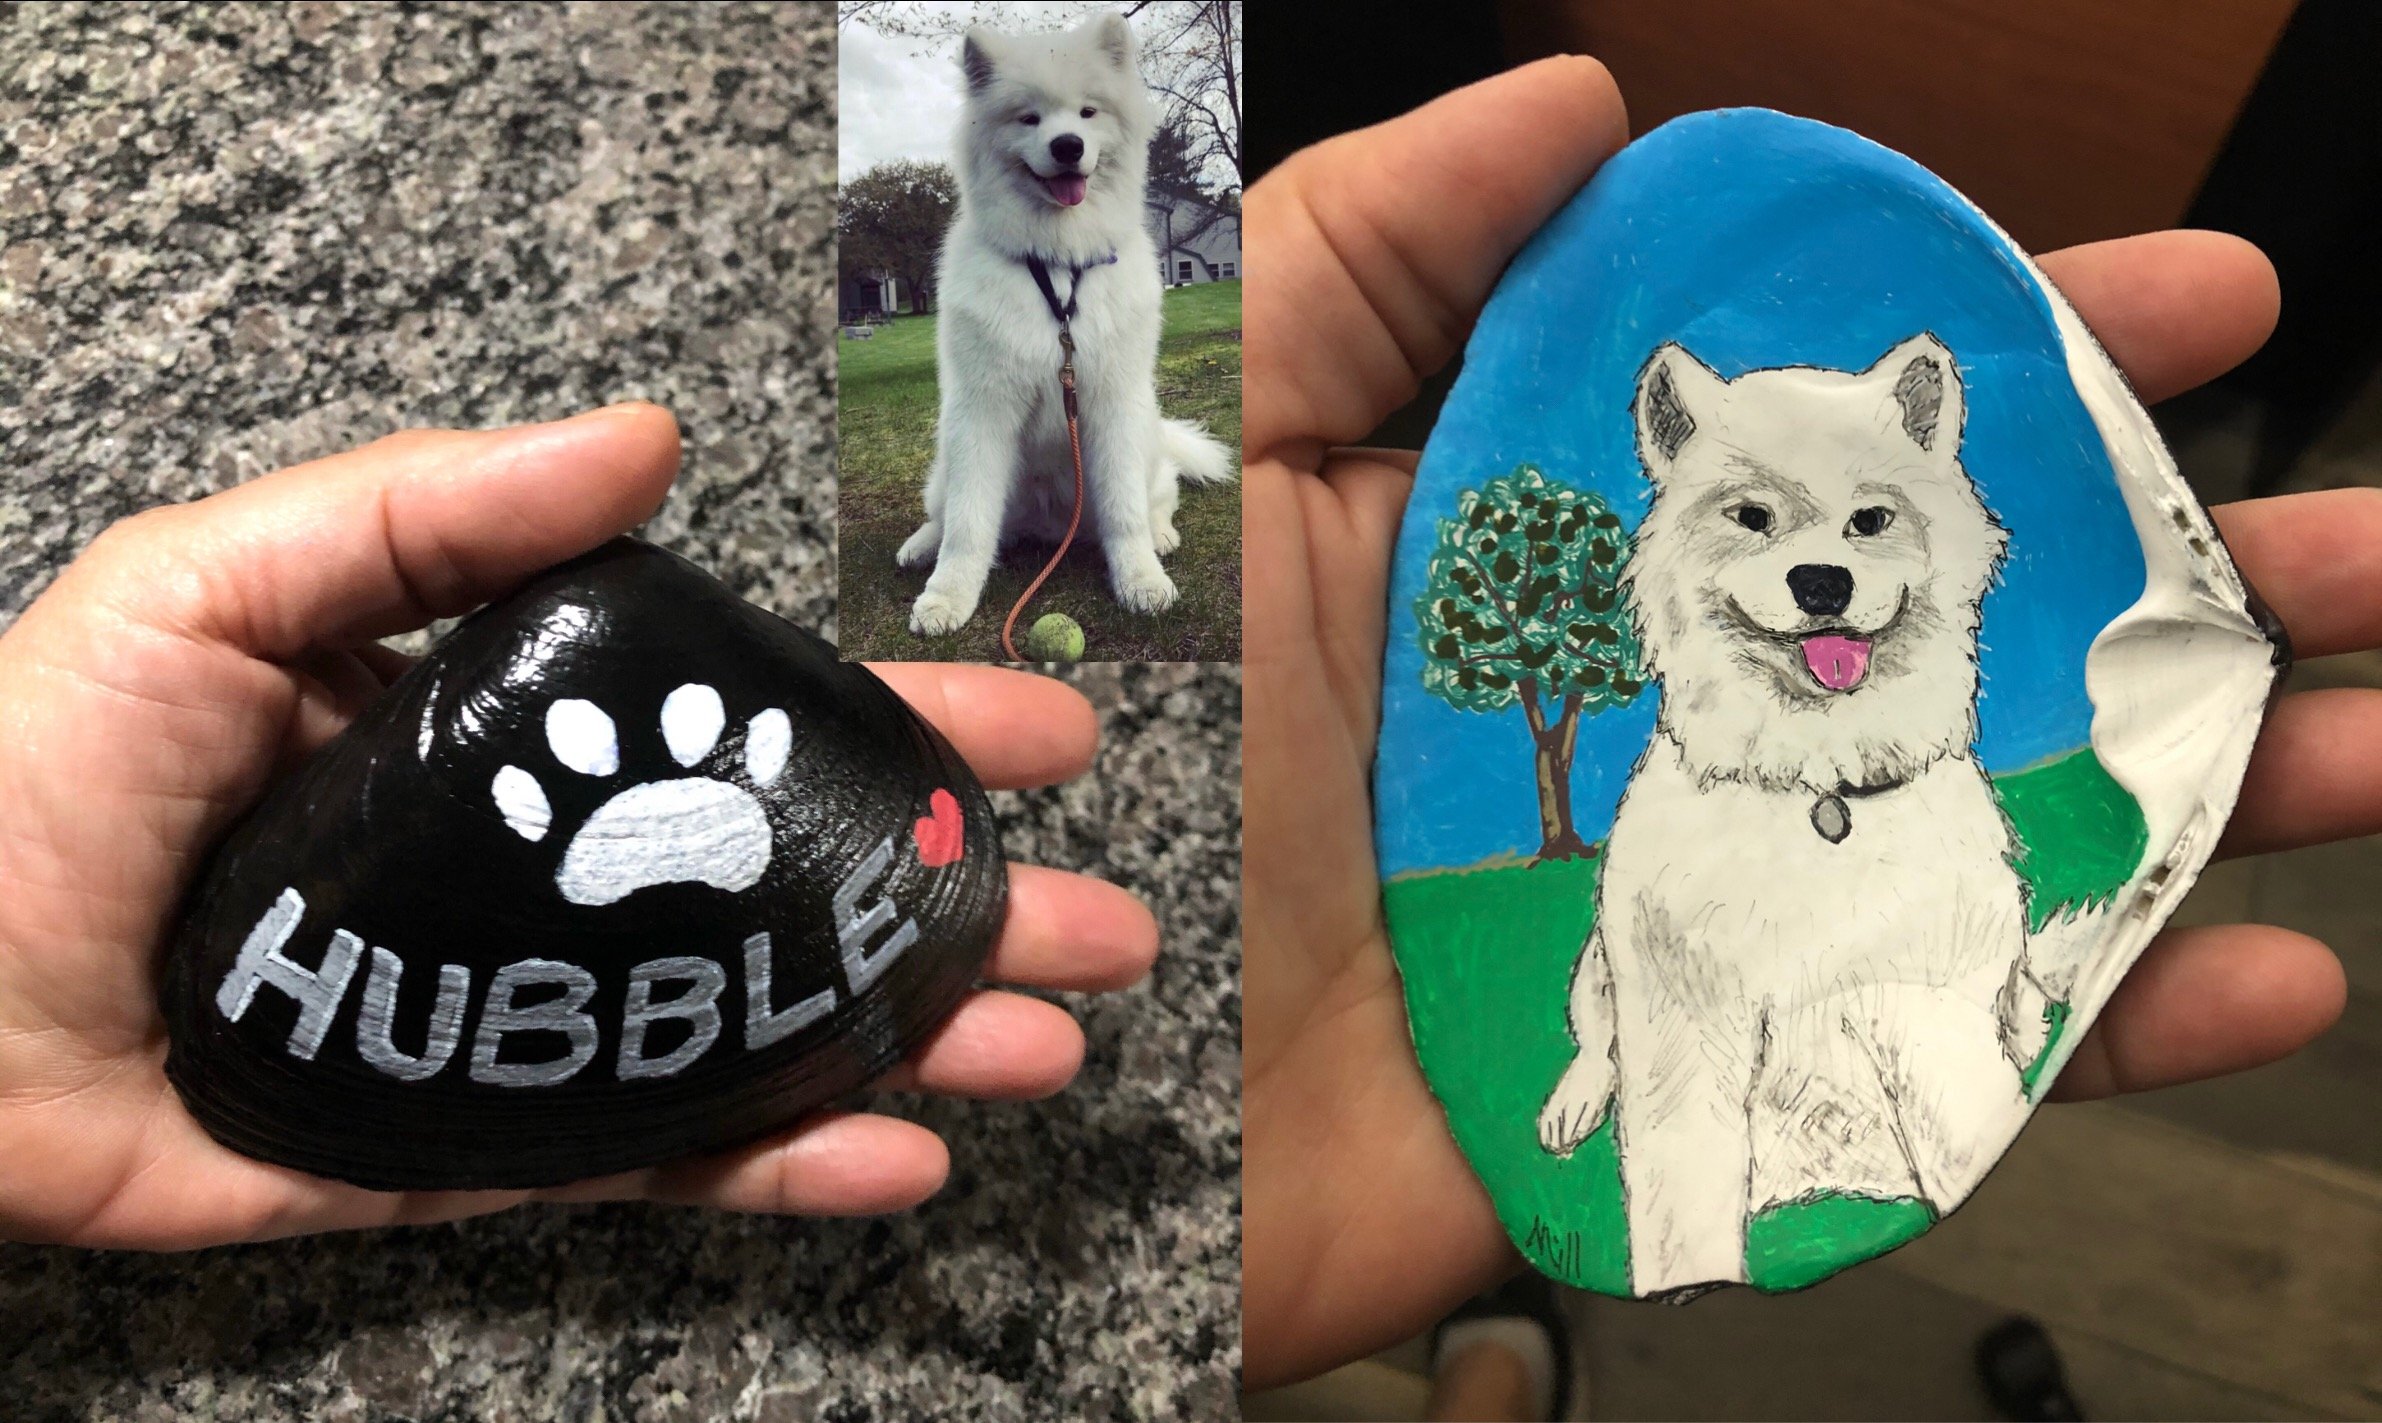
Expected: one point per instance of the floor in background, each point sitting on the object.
(2210, 1251)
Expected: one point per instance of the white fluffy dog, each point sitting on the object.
(1053, 145)
(1808, 928)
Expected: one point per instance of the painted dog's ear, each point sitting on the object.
(976, 57)
(1677, 394)
(1927, 401)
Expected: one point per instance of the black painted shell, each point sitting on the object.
(626, 869)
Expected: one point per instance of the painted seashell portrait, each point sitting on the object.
(1809, 687)
(626, 869)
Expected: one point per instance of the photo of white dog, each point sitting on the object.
(1808, 940)
(1051, 157)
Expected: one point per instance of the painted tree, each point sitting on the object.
(1524, 605)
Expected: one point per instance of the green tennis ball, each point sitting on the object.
(1054, 637)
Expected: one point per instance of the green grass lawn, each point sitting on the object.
(887, 437)
(1486, 954)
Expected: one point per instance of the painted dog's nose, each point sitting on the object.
(1067, 148)
(1821, 589)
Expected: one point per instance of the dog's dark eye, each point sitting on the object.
(1088, 113)
(1871, 521)
(1752, 516)
(1029, 120)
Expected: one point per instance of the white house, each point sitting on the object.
(1196, 242)
(869, 295)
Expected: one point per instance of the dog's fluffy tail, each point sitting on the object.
(1193, 454)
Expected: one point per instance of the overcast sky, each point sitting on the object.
(900, 93)
(893, 104)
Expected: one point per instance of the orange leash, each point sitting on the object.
(1074, 514)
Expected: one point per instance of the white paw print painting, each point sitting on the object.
(692, 829)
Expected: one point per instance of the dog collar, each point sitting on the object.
(1030, 258)
(1833, 819)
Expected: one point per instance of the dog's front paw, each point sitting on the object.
(1576, 1107)
(1150, 591)
(1165, 539)
(939, 611)
(1561, 1127)
(918, 550)
(2023, 1013)
(1688, 1294)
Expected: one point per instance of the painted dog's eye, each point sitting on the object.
(1752, 516)
(1088, 113)
(1870, 521)
(1029, 120)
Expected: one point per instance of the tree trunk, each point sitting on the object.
(1554, 743)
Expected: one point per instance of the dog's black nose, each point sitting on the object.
(1821, 589)
(1067, 148)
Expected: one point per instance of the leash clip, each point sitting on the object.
(1067, 369)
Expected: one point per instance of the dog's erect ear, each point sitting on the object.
(1928, 402)
(1676, 393)
(976, 57)
(1115, 38)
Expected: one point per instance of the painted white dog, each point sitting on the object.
(1053, 147)
(1808, 929)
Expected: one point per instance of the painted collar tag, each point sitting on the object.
(1834, 819)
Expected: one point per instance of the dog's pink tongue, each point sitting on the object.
(1838, 662)
(1068, 188)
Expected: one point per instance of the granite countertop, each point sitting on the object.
(236, 237)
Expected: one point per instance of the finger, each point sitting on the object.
(2315, 776)
(1014, 729)
(2173, 309)
(421, 525)
(1389, 239)
(2205, 1002)
(1353, 512)
(836, 1163)
(384, 662)
(2317, 561)
(1072, 932)
(1372, 485)
(999, 1047)
(333, 687)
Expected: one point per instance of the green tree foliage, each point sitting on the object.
(1524, 605)
(890, 220)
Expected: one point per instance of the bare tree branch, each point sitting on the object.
(1191, 52)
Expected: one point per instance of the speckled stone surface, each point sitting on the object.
(234, 238)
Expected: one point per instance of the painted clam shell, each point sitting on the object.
(1809, 686)
(626, 869)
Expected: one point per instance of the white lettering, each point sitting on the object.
(761, 1026)
(556, 1015)
(871, 934)
(854, 924)
(375, 1024)
(316, 990)
(699, 1006)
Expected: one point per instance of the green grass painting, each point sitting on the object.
(2080, 834)
(1491, 948)
(887, 435)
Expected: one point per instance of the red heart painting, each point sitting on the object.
(942, 836)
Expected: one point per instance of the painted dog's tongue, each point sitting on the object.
(1068, 188)
(1838, 662)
